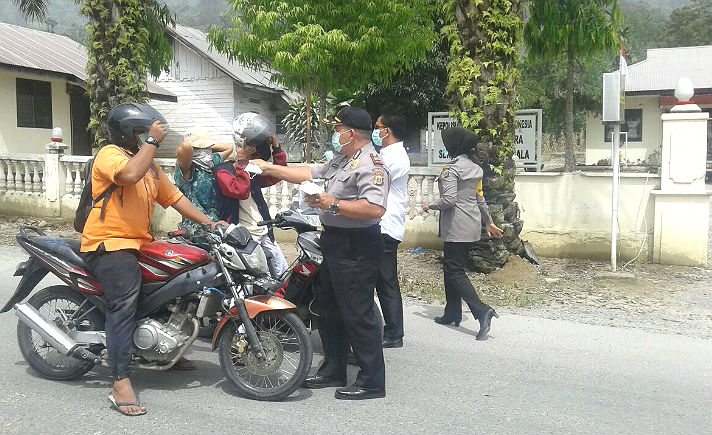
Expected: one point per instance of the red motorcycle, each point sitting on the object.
(264, 347)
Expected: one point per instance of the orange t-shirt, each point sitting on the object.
(127, 218)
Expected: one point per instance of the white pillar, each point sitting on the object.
(54, 176)
(682, 203)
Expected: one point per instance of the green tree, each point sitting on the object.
(484, 37)
(642, 29)
(691, 25)
(315, 46)
(574, 29)
(125, 40)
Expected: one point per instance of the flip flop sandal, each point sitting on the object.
(117, 406)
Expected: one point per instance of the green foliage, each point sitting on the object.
(295, 124)
(124, 43)
(484, 38)
(580, 27)
(643, 29)
(572, 30)
(326, 44)
(691, 25)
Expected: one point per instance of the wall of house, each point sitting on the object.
(207, 98)
(204, 103)
(14, 139)
(645, 151)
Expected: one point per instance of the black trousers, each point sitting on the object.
(457, 284)
(347, 309)
(388, 290)
(119, 274)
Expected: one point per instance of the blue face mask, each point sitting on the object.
(336, 141)
(376, 138)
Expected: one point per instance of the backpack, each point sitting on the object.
(86, 199)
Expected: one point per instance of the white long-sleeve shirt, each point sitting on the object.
(397, 163)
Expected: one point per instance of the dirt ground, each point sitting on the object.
(670, 299)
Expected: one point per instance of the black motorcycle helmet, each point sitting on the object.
(127, 120)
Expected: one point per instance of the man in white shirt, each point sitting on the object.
(390, 128)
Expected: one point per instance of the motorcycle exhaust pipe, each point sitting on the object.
(52, 334)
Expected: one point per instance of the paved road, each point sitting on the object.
(531, 376)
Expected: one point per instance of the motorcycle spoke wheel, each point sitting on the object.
(58, 305)
(287, 357)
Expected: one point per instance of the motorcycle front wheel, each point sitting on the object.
(287, 356)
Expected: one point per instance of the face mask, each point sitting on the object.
(376, 138)
(336, 141)
(143, 137)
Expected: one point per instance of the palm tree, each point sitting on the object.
(125, 40)
(574, 29)
(484, 37)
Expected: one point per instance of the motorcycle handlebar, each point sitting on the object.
(269, 222)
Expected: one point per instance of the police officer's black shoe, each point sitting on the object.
(392, 342)
(354, 392)
(485, 321)
(319, 381)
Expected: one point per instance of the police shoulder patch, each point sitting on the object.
(379, 171)
(378, 180)
(376, 159)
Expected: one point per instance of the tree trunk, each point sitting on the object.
(308, 150)
(484, 82)
(570, 155)
(116, 66)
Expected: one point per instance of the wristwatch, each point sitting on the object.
(334, 209)
(153, 141)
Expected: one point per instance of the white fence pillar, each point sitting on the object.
(682, 203)
(53, 173)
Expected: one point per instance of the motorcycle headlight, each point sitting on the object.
(256, 260)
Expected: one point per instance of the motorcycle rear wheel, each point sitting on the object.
(288, 351)
(55, 303)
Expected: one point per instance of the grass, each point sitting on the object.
(498, 296)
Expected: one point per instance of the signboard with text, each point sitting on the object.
(527, 138)
(439, 121)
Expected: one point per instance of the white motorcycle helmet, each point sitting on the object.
(252, 129)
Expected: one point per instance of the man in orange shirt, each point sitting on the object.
(111, 243)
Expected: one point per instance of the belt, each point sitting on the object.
(374, 229)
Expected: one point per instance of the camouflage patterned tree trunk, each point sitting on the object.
(484, 38)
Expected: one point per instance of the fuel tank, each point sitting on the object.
(161, 261)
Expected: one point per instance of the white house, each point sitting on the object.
(649, 94)
(42, 80)
(211, 90)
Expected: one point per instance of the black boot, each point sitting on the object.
(485, 322)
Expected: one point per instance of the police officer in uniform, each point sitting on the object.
(463, 213)
(352, 205)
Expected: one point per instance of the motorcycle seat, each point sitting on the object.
(68, 249)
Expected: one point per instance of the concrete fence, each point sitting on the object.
(564, 214)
